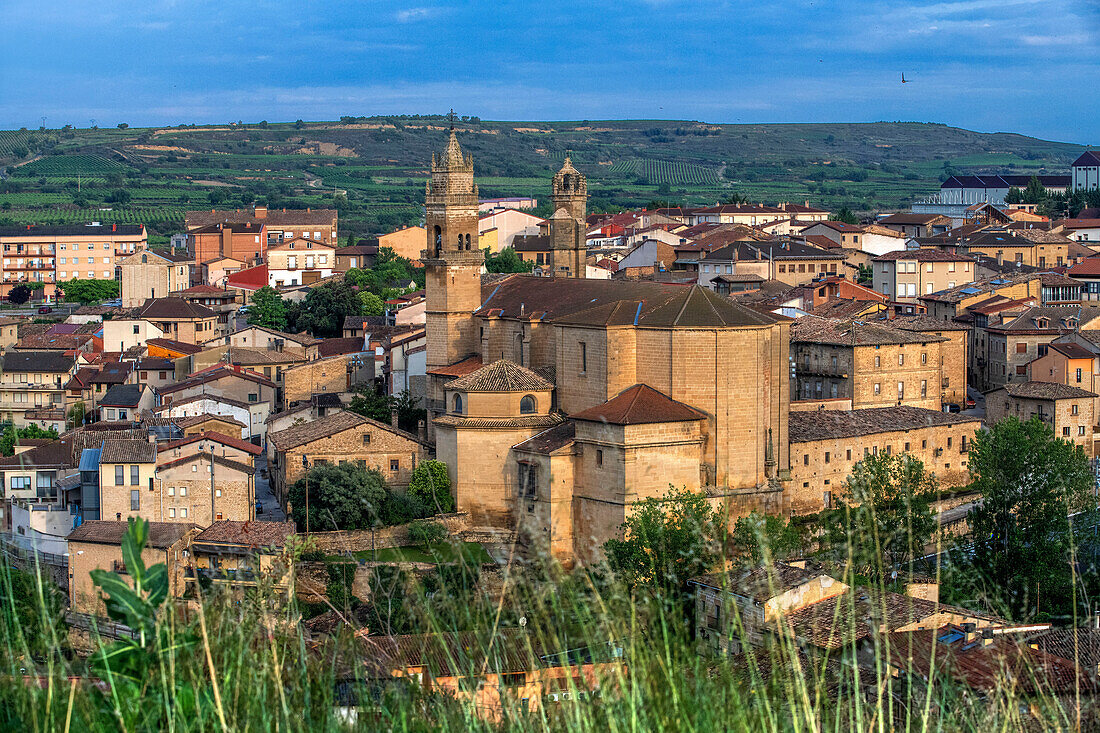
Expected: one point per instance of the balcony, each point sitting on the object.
(826, 370)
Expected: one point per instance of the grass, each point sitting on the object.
(444, 552)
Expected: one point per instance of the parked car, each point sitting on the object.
(951, 407)
(45, 309)
(970, 403)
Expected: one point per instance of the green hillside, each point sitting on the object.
(373, 169)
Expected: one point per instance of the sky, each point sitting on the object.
(1027, 66)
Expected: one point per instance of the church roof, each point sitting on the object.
(638, 405)
(616, 303)
(501, 376)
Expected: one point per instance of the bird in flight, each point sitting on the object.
(903, 79)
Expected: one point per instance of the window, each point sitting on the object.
(948, 441)
(806, 459)
(171, 513)
(1021, 348)
(395, 464)
(878, 388)
(878, 362)
(120, 475)
(584, 357)
(20, 483)
(135, 477)
(527, 405)
(901, 390)
(183, 513)
(924, 388)
(906, 447)
(1080, 429)
(923, 444)
(1021, 370)
(826, 456)
(924, 357)
(513, 679)
(456, 404)
(901, 359)
(183, 492)
(366, 437)
(599, 457)
(135, 500)
(1078, 376)
(1065, 431)
(217, 493)
(848, 454)
(528, 480)
(1074, 410)
(253, 397)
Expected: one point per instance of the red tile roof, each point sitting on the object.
(459, 368)
(638, 405)
(252, 278)
(217, 438)
(1087, 266)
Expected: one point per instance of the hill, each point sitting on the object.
(374, 168)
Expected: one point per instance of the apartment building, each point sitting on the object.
(859, 365)
(906, 275)
(299, 261)
(278, 224)
(53, 255)
(1009, 340)
(179, 319)
(33, 380)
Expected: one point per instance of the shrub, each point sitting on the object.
(426, 534)
(431, 486)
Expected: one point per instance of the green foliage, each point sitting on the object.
(12, 436)
(430, 485)
(369, 403)
(1022, 544)
(382, 279)
(1014, 196)
(268, 309)
(76, 415)
(343, 496)
(338, 588)
(31, 610)
(763, 539)
(1035, 193)
(666, 541)
(325, 307)
(372, 304)
(425, 533)
(885, 517)
(88, 291)
(19, 295)
(507, 261)
(844, 215)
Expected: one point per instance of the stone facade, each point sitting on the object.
(190, 491)
(322, 376)
(569, 199)
(1070, 412)
(128, 490)
(152, 274)
(873, 376)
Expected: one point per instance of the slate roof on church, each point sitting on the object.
(616, 303)
(501, 376)
(639, 405)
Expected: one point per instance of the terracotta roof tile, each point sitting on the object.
(638, 405)
(829, 424)
(307, 432)
(501, 376)
(106, 532)
(814, 330)
(251, 534)
(237, 443)
(1045, 391)
(172, 308)
(128, 451)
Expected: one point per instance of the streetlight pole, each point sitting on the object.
(305, 465)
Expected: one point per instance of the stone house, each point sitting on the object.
(826, 444)
(907, 274)
(206, 478)
(252, 415)
(239, 553)
(210, 423)
(1070, 411)
(954, 352)
(329, 375)
(153, 274)
(97, 545)
(870, 364)
(1012, 339)
(223, 380)
(342, 437)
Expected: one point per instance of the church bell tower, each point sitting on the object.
(569, 197)
(453, 265)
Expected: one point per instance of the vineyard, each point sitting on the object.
(73, 215)
(663, 171)
(12, 139)
(71, 165)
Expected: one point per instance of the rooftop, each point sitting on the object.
(36, 361)
(173, 308)
(251, 534)
(122, 450)
(637, 405)
(760, 583)
(107, 532)
(1045, 391)
(122, 395)
(501, 376)
(831, 424)
(922, 255)
(815, 330)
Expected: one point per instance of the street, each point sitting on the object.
(269, 509)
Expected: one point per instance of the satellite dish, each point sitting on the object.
(522, 621)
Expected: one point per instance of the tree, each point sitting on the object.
(666, 541)
(19, 295)
(340, 497)
(370, 403)
(119, 196)
(884, 518)
(1029, 482)
(372, 304)
(425, 534)
(267, 309)
(762, 539)
(844, 215)
(1034, 193)
(13, 435)
(123, 125)
(430, 485)
(325, 308)
(1014, 196)
(506, 261)
(76, 415)
(90, 291)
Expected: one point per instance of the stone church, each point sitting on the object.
(558, 402)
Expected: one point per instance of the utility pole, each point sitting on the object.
(305, 465)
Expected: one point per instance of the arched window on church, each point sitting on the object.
(565, 182)
(517, 349)
(527, 405)
(467, 241)
(456, 404)
(144, 259)
(438, 234)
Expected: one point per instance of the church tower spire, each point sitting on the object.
(569, 197)
(453, 264)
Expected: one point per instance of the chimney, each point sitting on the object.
(114, 227)
(422, 431)
(260, 212)
(987, 636)
(968, 629)
(1000, 257)
(393, 419)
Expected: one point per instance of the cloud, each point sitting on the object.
(413, 14)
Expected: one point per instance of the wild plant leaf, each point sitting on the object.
(132, 544)
(124, 658)
(122, 603)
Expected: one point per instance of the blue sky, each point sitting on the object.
(1026, 66)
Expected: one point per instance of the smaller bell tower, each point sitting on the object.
(569, 197)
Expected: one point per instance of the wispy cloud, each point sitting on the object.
(412, 14)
